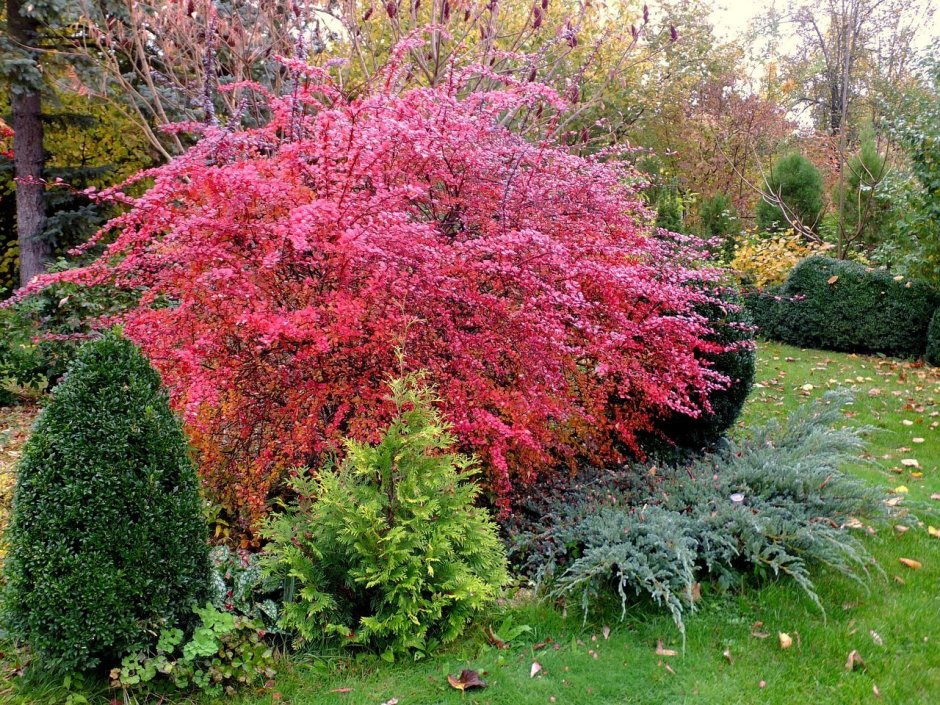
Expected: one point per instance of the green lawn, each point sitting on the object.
(895, 626)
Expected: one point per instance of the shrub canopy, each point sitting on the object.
(107, 539)
(932, 353)
(285, 268)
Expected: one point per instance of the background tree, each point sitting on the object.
(794, 196)
(917, 130)
(21, 70)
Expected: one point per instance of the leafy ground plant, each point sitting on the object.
(225, 651)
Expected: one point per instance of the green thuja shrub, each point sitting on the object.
(773, 504)
(107, 539)
(841, 305)
(388, 550)
(799, 185)
(932, 353)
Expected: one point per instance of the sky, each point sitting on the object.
(731, 18)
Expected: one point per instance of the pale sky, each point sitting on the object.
(731, 18)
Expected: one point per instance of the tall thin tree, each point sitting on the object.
(23, 30)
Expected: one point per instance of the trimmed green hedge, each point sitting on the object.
(107, 538)
(933, 340)
(733, 327)
(840, 305)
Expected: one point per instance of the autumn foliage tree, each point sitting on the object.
(286, 271)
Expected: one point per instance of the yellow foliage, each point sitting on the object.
(15, 424)
(762, 259)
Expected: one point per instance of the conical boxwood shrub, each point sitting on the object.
(107, 540)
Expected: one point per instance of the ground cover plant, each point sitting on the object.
(286, 267)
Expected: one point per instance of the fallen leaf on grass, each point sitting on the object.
(757, 630)
(393, 701)
(606, 632)
(786, 641)
(900, 528)
(907, 422)
(660, 651)
(876, 637)
(854, 660)
(874, 689)
(342, 691)
(727, 654)
(535, 669)
(911, 563)
(933, 531)
(910, 463)
(495, 640)
(936, 496)
(467, 680)
(917, 440)
(901, 489)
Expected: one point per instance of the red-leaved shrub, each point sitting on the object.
(287, 271)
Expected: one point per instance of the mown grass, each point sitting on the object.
(894, 624)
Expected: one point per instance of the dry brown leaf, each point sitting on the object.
(833, 279)
(696, 592)
(854, 660)
(901, 529)
(341, 691)
(661, 651)
(911, 563)
(495, 640)
(786, 641)
(467, 680)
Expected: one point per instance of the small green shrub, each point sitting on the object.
(733, 330)
(765, 307)
(225, 652)
(932, 353)
(772, 504)
(107, 540)
(800, 186)
(21, 363)
(388, 549)
(840, 305)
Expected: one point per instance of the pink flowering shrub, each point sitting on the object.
(287, 272)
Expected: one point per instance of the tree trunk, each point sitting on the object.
(28, 158)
